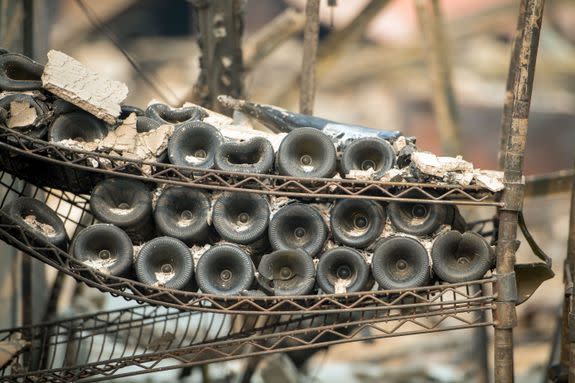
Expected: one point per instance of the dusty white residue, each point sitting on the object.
(194, 160)
(47, 230)
(341, 285)
(102, 265)
(163, 278)
(120, 211)
(363, 175)
(307, 168)
(156, 194)
(137, 249)
(198, 251)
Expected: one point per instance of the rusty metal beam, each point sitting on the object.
(310, 42)
(522, 70)
(509, 94)
(567, 359)
(220, 27)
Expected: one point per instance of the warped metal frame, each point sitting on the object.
(76, 348)
(78, 166)
(430, 296)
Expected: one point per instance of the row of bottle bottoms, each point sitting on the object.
(304, 152)
(426, 241)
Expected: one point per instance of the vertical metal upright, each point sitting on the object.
(514, 130)
(310, 43)
(220, 28)
(568, 318)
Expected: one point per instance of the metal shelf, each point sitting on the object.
(74, 212)
(133, 341)
(51, 165)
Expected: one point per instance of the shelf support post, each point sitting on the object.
(514, 127)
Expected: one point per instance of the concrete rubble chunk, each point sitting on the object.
(156, 141)
(123, 139)
(429, 163)
(393, 175)
(490, 179)
(70, 80)
(138, 146)
(22, 114)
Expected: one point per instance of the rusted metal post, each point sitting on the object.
(220, 27)
(567, 359)
(446, 115)
(310, 41)
(566, 321)
(509, 94)
(523, 73)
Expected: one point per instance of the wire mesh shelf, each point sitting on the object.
(77, 171)
(75, 213)
(145, 338)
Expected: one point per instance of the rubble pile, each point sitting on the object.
(245, 243)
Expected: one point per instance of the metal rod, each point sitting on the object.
(522, 71)
(567, 346)
(509, 95)
(446, 114)
(310, 42)
(221, 25)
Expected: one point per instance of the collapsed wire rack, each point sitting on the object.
(145, 338)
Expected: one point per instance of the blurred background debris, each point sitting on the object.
(374, 68)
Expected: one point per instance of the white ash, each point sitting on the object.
(193, 160)
(22, 114)
(70, 80)
(163, 278)
(363, 175)
(277, 202)
(89, 146)
(198, 251)
(102, 265)
(93, 162)
(341, 285)
(156, 195)
(121, 211)
(324, 211)
(44, 228)
(137, 249)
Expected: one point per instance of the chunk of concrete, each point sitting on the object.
(70, 80)
(156, 141)
(490, 179)
(393, 175)
(123, 139)
(22, 114)
(429, 163)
